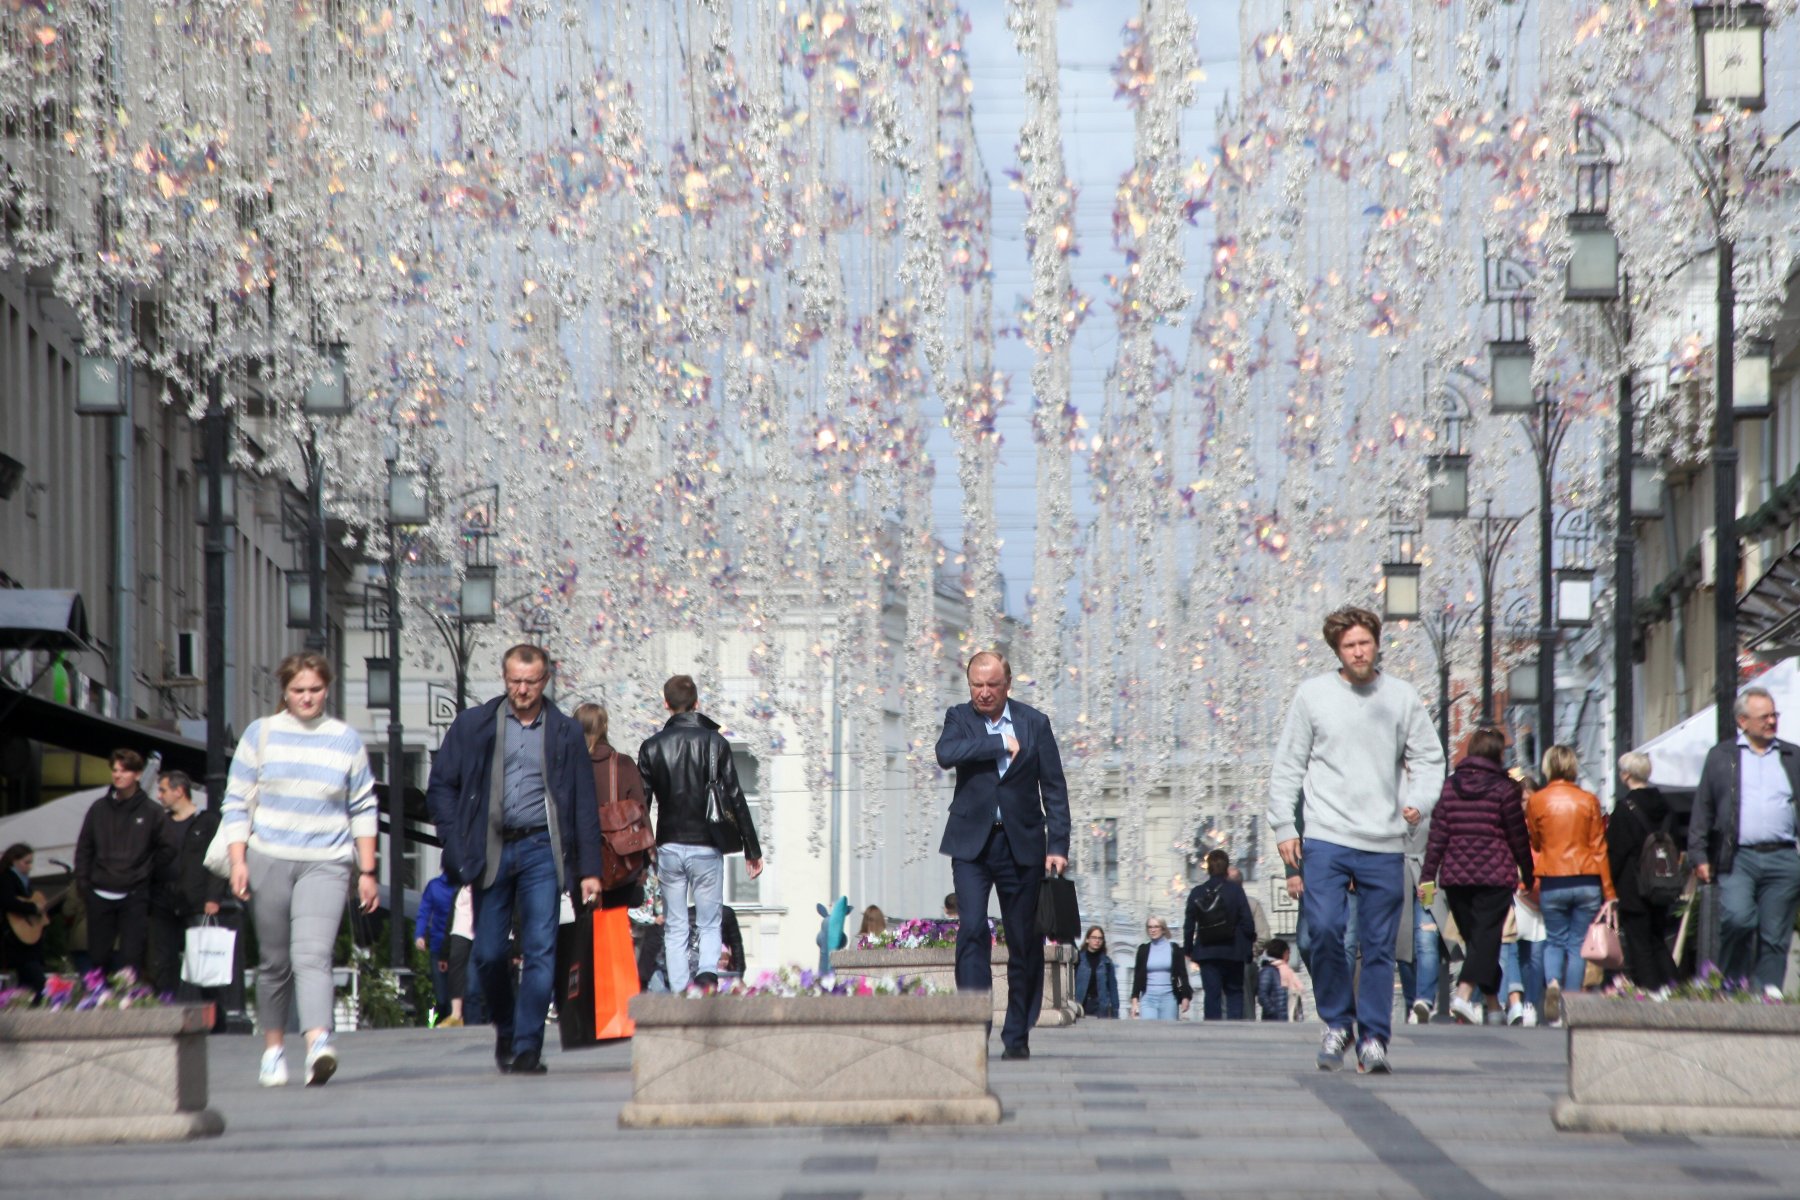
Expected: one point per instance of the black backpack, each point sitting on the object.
(1211, 917)
(1660, 878)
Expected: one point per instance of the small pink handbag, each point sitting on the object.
(1601, 945)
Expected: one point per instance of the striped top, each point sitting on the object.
(314, 791)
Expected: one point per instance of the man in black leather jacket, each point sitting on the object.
(679, 766)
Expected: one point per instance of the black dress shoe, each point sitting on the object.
(1016, 1052)
(529, 1063)
(503, 1055)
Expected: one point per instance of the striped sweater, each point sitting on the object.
(314, 792)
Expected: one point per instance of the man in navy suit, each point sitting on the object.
(1009, 823)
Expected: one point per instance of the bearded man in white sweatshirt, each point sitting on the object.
(1359, 752)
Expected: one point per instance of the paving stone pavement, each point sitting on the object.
(1104, 1109)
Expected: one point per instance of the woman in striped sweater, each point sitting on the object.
(299, 816)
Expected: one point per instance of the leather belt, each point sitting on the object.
(519, 835)
(1767, 846)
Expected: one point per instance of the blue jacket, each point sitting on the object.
(1270, 993)
(1238, 906)
(435, 907)
(1107, 989)
(1033, 798)
(462, 772)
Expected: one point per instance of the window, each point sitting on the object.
(740, 889)
(1109, 856)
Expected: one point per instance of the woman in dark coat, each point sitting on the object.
(1480, 851)
(1220, 935)
(1643, 927)
(1096, 980)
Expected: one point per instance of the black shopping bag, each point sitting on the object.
(1058, 912)
(575, 980)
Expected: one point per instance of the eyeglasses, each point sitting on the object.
(526, 682)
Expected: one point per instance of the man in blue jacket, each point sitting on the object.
(512, 793)
(1009, 823)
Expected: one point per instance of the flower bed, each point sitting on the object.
(102, 1061)
(826, 1057)
(1719, 1059)
(937, 965)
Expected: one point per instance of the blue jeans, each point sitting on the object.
(1380, 883)
(682, 869)
(1419, 978)
(1757, 901)
(1159, 1008)
(1568, 911)
(526, 881)
(1522, 970)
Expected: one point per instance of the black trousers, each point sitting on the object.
(168, 939)
(1480, 914)
(125, 922)
(1017, 884)
(1645, 938)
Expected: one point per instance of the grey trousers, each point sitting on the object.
(297, 907)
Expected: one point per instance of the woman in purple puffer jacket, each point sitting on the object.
(1480, 851)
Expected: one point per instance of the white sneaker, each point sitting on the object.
(1515, 1013)
(1466, 1012)
(274, 1068)
(321, 1061)
(1372, 1059)
(1528, 1016)
(1421, 1013)
(1331, 1049)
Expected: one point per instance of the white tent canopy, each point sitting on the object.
(50, 829)
(1677, 754)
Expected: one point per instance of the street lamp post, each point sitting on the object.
(1546, 427)
(1493, 533)
(220, 508)
(406, 505)
(1443, 628)
(327, 394)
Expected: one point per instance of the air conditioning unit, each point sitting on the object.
(187, 654)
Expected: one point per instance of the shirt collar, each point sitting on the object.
(1744, 744)
(1004, 718)
(532, 724)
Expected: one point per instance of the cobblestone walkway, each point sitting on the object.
(1105, 1109)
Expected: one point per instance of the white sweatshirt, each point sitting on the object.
(1358, 754)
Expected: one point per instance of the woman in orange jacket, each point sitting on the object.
(1568, 844)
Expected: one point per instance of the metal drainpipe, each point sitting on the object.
(124, 662)
(1683, 705)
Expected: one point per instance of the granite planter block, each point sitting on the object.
(1681, 1066)
(809, 1060)
(938, 967)
(106, 1075)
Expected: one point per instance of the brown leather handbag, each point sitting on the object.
(625, 832)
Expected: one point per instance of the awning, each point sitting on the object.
(1769, 613)
(43, 619)
(1677, 754)
(69, 728)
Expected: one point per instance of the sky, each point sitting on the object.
(1097, 150)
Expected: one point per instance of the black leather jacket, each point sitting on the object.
(676, 765)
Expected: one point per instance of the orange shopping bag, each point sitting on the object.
(615, 974)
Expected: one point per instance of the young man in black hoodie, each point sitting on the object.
(115, 860)
(184, 891)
